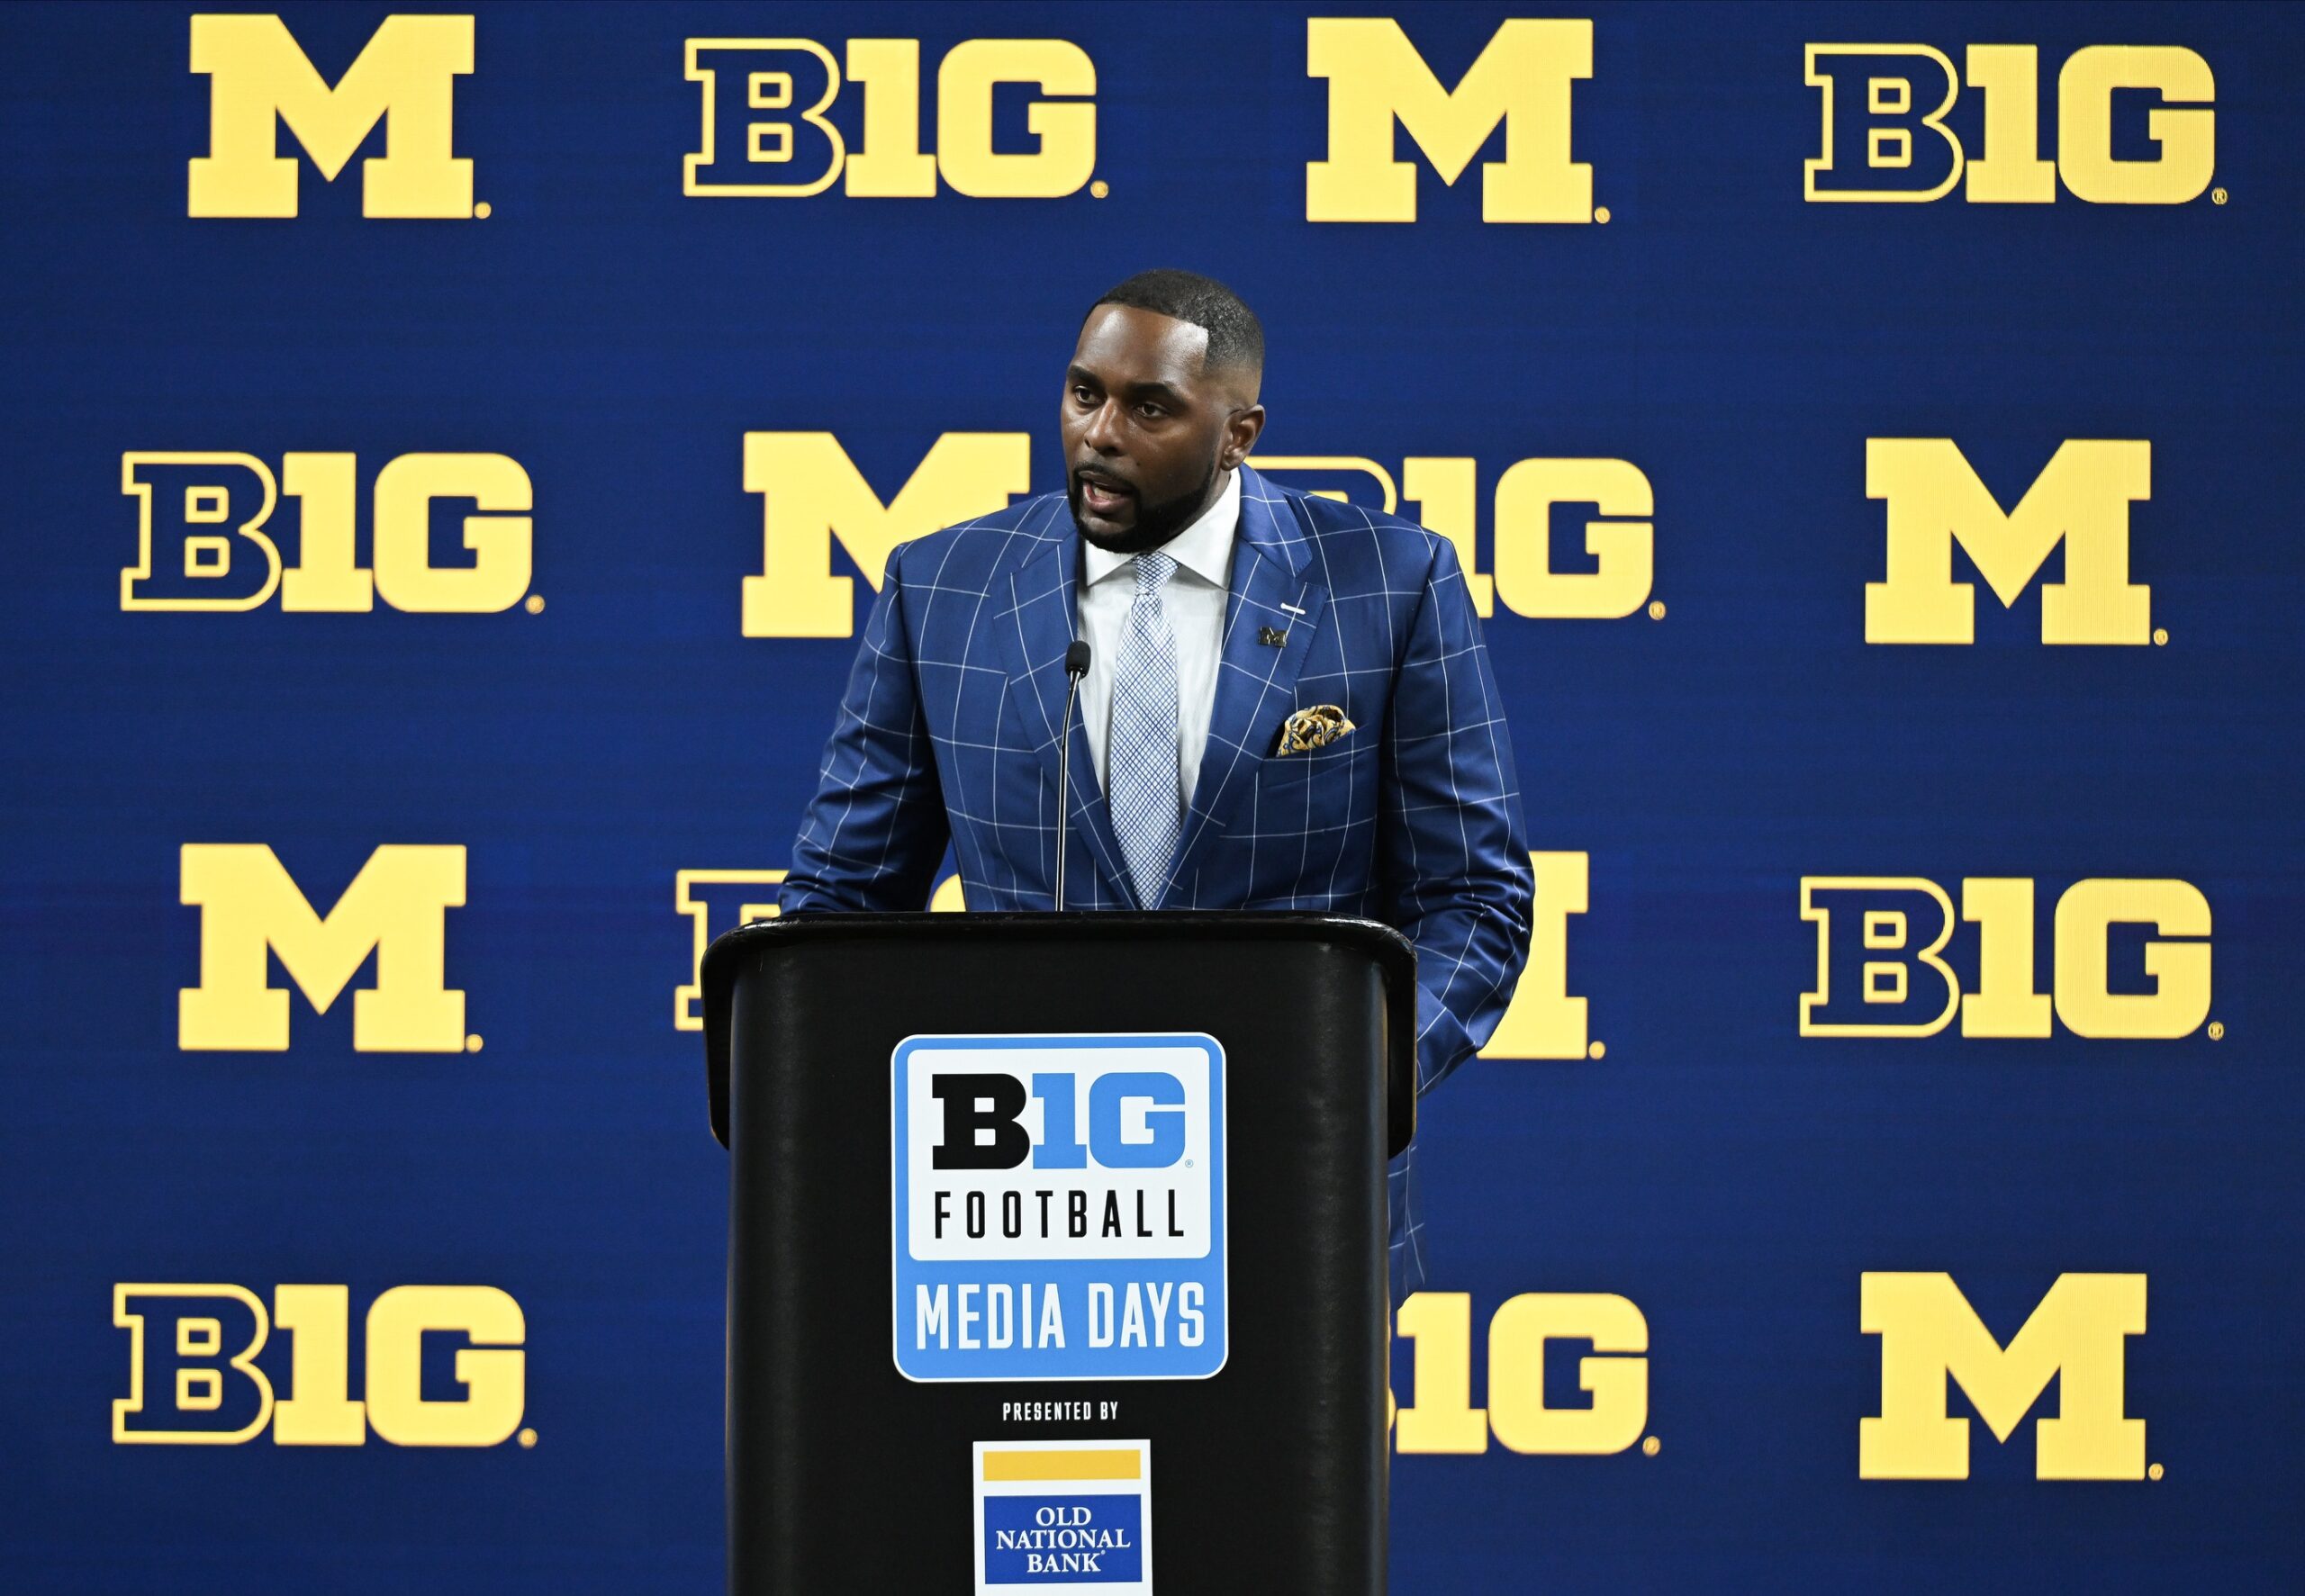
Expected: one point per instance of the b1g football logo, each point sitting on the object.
(1059, 1207)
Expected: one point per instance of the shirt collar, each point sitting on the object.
(1205, 548)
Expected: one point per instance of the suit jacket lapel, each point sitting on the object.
(1272, 585)
(1033, 636)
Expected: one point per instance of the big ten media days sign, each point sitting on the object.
(1059, 1207)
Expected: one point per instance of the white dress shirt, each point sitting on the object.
(1194, 602)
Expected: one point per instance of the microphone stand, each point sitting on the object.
(1076, 667)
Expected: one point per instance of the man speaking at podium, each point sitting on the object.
(1286, 702)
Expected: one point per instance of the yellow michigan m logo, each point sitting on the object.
(1935, 499)
(1521, 79)
(405, 77)
(814, 494)
(395, 907)
(1929, 1335)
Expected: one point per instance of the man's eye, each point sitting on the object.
(1151, 411)
(1081, 396)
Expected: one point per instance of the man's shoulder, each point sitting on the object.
(973, 550)
(1343, 533)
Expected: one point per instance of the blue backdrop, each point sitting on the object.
(1693, 1180)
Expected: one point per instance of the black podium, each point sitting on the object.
(1057, 1250)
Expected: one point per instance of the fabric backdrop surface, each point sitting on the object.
(448, 456)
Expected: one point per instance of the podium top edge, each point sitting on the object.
(1393, 952)
(1111, 925)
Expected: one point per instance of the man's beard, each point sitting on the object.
(1156, 524)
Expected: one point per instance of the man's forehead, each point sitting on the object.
(1125, 341)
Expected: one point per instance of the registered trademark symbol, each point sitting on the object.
(1598, 1049)
(533, 604)
(482, 212)
(1188, 1163)
(1650, 1445)
(527, 1437)
(2153, 1472)
(472, 1044)
(1100, 188)
(2160, 636)
(1656, 610)
(2217, 1030)
(1600, 214)
(2216, 196)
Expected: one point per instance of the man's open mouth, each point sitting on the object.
(1100, 494)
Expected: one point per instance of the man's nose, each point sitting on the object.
(1103, 433)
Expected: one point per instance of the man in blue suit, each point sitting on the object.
(1288, 703)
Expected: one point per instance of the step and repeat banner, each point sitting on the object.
(448, 453)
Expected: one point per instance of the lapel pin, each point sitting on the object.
(1271, 637)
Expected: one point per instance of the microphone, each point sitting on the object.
(1076, 667)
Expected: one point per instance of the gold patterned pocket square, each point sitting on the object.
(1312, 729)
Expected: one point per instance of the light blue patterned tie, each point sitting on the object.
(1143, 782)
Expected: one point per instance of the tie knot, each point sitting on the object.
(1153, 570)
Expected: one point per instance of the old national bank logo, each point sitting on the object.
(769, 130)
(1440, 1417)
(194, 1379)
(251, 911)
(2130, 959)
(2081, 499)
(1548, 563)
(1059, 1207)
(209, 535)
(1932, 1339)
(1065, 1516)
(1544, 1020)
(260, 80)
(1522, 79)
(1883, 135)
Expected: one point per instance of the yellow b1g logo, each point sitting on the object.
(1440, 1417)
(815, 498)
(193, 1380)
(1883, 967)
(768, 129)
(204, 537)
(1883, 135)
(1444, 493)
(1544, 1020)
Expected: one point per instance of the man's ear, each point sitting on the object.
(1240, 430)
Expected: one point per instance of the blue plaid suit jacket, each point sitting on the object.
(948, 734)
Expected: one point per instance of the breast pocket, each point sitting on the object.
(1321, 791)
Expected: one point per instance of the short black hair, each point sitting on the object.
(1235, 335)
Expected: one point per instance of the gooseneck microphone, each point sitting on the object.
(1076, 667)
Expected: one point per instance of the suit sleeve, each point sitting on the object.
(1456, 870)
(874, 833)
